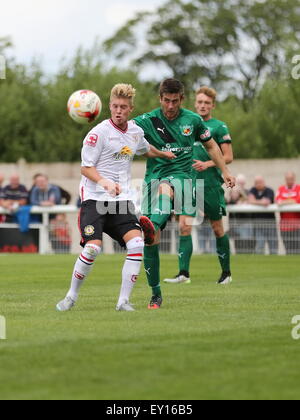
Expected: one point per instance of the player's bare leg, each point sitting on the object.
(131, 270)
(82, 269)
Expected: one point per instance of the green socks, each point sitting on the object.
(223, 249)
(152, 267)
(185, 253)
(162, 212)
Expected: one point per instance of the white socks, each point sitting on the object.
(82, 268)
(132, 268)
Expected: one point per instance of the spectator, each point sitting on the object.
(65, 196)
(1, 188)
(238, 194)
(45, 194)
(265, 228)
(241, 225)
(206, 238)
(289, 194)
(60, 235)
(14, 195)
(2, 217)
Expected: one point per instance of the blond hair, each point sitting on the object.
(211, 93)
(123, 91)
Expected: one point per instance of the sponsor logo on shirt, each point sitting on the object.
(227, 137)
(175, 150)
(206, 135)
(92, 140)
(125, 154)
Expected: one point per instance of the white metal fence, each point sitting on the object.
(252, 230)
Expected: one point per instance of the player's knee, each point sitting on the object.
(165, 189)
(218, 229)
(136, 244)
(92, 251)
(185, 228)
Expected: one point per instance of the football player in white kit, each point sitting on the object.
(107, 154)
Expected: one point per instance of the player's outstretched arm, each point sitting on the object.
(228, 156)
(93, 175)
(155, 153)
(218, 158)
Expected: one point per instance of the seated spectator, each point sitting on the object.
(265, 227)
(1, 189)
(241, 226)
(60, 235)
(289, 194)
(45, 194)
(238, 194)
(65, 196)
(2, 217)
(14, 195)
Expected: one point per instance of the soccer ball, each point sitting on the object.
(84, 106)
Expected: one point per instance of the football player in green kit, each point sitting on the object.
(172, 128)
(205, 169)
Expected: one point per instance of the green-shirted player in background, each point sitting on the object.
(175, 129)
(204, 168)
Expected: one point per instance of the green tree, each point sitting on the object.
(34, 121)
(235, 45)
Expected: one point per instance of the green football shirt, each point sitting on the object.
(220, 132)
(177, 136)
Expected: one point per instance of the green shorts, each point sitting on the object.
(214, 203)
(182, 185)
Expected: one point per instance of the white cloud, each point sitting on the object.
(119, 13)
(51, 29)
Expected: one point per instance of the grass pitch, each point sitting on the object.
(208, 342)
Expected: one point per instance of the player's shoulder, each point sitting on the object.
(97, 133)
(104, 125)
(148, 115)
(133, 127)
(219, 123)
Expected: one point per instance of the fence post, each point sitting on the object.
(2, 328)
(44, 235)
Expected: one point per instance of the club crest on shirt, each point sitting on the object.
(136, 138)
(89, 230)
(187, 130)
(125, 154)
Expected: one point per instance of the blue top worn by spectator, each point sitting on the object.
(45, 194)
(2, 195)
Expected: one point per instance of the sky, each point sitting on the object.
(53, 29)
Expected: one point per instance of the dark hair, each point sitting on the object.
(171, 86)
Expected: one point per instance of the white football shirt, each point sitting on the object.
(111, 151)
